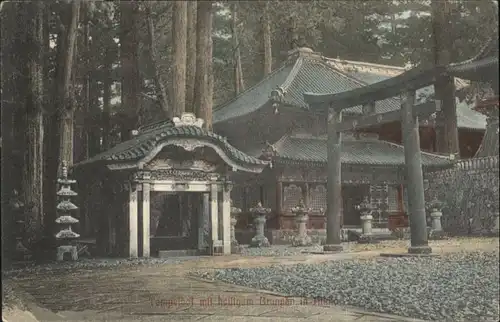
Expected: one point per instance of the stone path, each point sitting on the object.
(168, 293)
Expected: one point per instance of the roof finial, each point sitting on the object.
(188, 119)
(64, 170)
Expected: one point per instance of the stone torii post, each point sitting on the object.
(403, 85)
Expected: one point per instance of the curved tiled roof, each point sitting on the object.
(369, 73)
(311, 72)
(151, 136)
(361, 152)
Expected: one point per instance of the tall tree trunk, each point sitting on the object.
(293, 36)
(191, 55)
(130, 77)
(266, 39)
(161, 91)
(446, 129)
(66, 108)
(179, 36)
(204, 62)
(106, 100)
(10, 104)
(33, 157)
(93, 121)
(85, 130)
(239, 84)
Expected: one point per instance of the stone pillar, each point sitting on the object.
(235, 247)
(366, 210)
(260, 218)
(334, 184)
(226, 219)
(301, 217)
(496, 226)
(413, 164)
(132, 221)
(146, 230)
(366, 224)
(203, 215)
(214, 216)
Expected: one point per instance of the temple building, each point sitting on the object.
(271, 121)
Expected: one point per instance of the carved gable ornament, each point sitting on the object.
(188, 119)
(193, 165)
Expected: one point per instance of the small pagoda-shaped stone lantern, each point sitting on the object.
(434, 207)
(235, 246)
(66, 236)
(301, 216)
(365, 209)
(260, 218)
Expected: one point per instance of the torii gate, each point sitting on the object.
(404, 85)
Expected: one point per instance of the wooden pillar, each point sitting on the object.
(401, 206)
(203, 215)
(307, 202)
(334, 184)
(133, 250)
(226, 219)
(214, 213)
(414, 176)
(305, 195)
(279, 201)
(146, 187)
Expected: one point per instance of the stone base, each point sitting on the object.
(333, 248)
(260, 241)
(61, 250)
(235, 249)
(368, 239)
(419, 250)
(437, 235)
(179, 253)
(398, 255)
(301, 241)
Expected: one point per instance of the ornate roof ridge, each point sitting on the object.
(434, 154)
(365, 64)
(287, 63)
(155, 125)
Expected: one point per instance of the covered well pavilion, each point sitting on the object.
(173, 157)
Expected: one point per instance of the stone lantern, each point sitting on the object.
(434, 206)
(365, 209)
(301, 216)
(260, 218)
(235, 247)
(66, 236)
(18, 210)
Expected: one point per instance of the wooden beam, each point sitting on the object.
(410, 80)
(422, 110)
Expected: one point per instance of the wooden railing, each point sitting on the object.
(490, 162)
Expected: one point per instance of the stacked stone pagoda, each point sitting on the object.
(66, 236)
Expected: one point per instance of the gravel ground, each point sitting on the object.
(278, 250)
(108, 263)
(454, 287)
